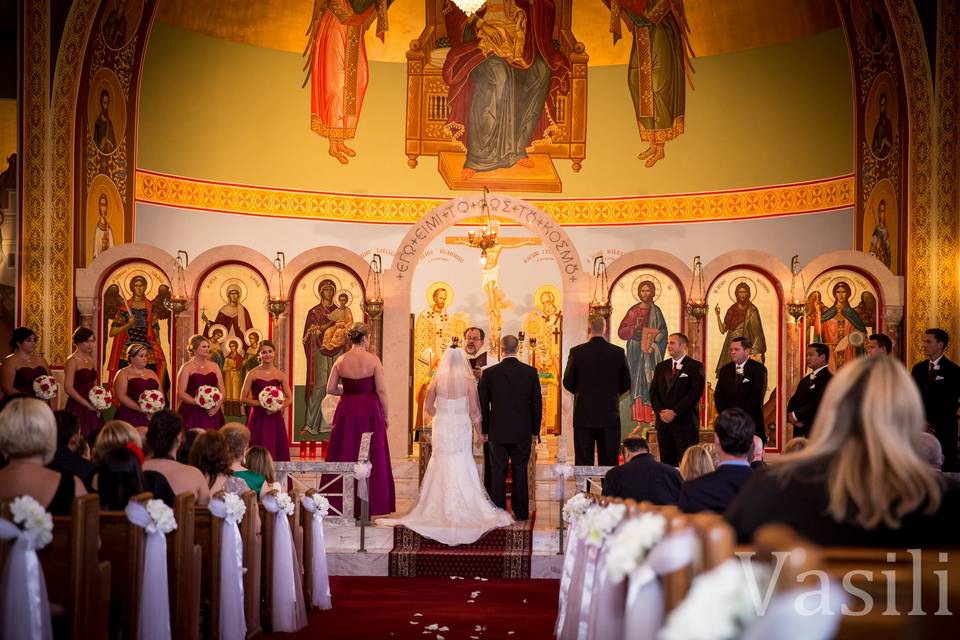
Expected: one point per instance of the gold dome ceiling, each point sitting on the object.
(717, 26)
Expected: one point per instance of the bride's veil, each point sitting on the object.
(454, 379)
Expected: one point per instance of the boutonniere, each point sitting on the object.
(679, 366)
(938, 378)
(746, 379)
(813, 386)
(683, 375)
(936, 367)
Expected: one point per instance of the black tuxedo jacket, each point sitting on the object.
(806, 399)
(510, 402)
(743, 392)
(682, 395)
(941, 394)
(597, 375)
(643, 478)
(714, 491)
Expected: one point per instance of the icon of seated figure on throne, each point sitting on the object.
(497, 94)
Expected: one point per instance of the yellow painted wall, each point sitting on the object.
(217, 110)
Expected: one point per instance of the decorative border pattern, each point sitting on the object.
(790, 199)
(948, 170)
(922, 299)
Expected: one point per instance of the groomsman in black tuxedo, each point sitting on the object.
(938, 379)
(512, 407)
(597, 375)
(675, 395)
(803, 405)
(741, 384)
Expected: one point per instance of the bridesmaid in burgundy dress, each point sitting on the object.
(195, 373)
(79, 376)
(24, 365)
(130, 382)
(267, 429)
(362, 408)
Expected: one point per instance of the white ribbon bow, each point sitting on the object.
(154, 597)
(289, 614)
(233, 624)
(362, 472)
(26, 611)
(320, 596)
(561, 471)
(645, 600)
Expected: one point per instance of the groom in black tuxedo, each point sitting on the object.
(511, 406)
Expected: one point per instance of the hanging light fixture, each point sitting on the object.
(277, 304)
(487, 237)
(697, 302)
(373, 304)
(177, 302)
(469, 7)
(600, 304)
(796, 306)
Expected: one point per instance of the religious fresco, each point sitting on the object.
(647, 306)
(881, 225)
(542, 336)
(744, 302)
(104, 217)
(842, 311)
(132, 310)
(119, 25)
(106, 111)
(232, 313)
(659, 68)
(326, 301)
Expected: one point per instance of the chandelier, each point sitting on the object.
(486, 238)
(469, 7)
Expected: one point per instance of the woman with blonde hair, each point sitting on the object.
(696, 462)
(259, 461)
(859, 481)
(199, 371)
(130, 382)
(118, 434)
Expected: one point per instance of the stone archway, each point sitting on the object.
(398, 280)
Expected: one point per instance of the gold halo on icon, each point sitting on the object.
(634, 286)
(217, 327)
(736, 282)
(828, 290)
(344, 292)
(230, 283)
(127, 291)
(547, 288)
(440, 285)
(249, 332)
(326, 276)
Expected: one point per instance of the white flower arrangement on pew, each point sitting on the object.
(234, 507)
(599, 522)
(284, 501)
(575, 508)
(321, 503)
(45, 387)
(162, 516)
(720, 605)
(33, 519)
(630, 545)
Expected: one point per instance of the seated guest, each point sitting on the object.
(756, 453)
(859, 481)
(28, 437)
(189, 437)
(118, 434)
(237, 437)
(68, 458)
(119, 478)
(929, 449)
(797, 444)
(260, 461)
(733, 434)
(879, 344)
(164, 435)
(696, 462)
(211, 456)
(641, 476)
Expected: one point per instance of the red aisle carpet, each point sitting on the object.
(377, 608)
(501, 553)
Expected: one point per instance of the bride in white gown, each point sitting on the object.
(453, 507)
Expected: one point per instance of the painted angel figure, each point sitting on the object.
(337, 67)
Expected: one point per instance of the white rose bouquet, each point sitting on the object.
(45, 387)
(599, 522)
(151, 401)
(100, 397)
(162, 516)
(575, 507)
(207, 397)
(322, 504)
(32, 518)
(234, 507)
(632, 542)
(271, 398)
(285, 503)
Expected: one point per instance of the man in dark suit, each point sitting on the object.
(511, 406)
(805, 401)
(675, 395)
(66, 459)
(733, 434)
(742, 383)
(641, 477)
(597, 375)
(938, 379)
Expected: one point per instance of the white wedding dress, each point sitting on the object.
(453, 507)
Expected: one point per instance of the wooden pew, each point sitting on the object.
(208, 534)
(306, 557)
(184, 562)
(78, 583)
(123, 544)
